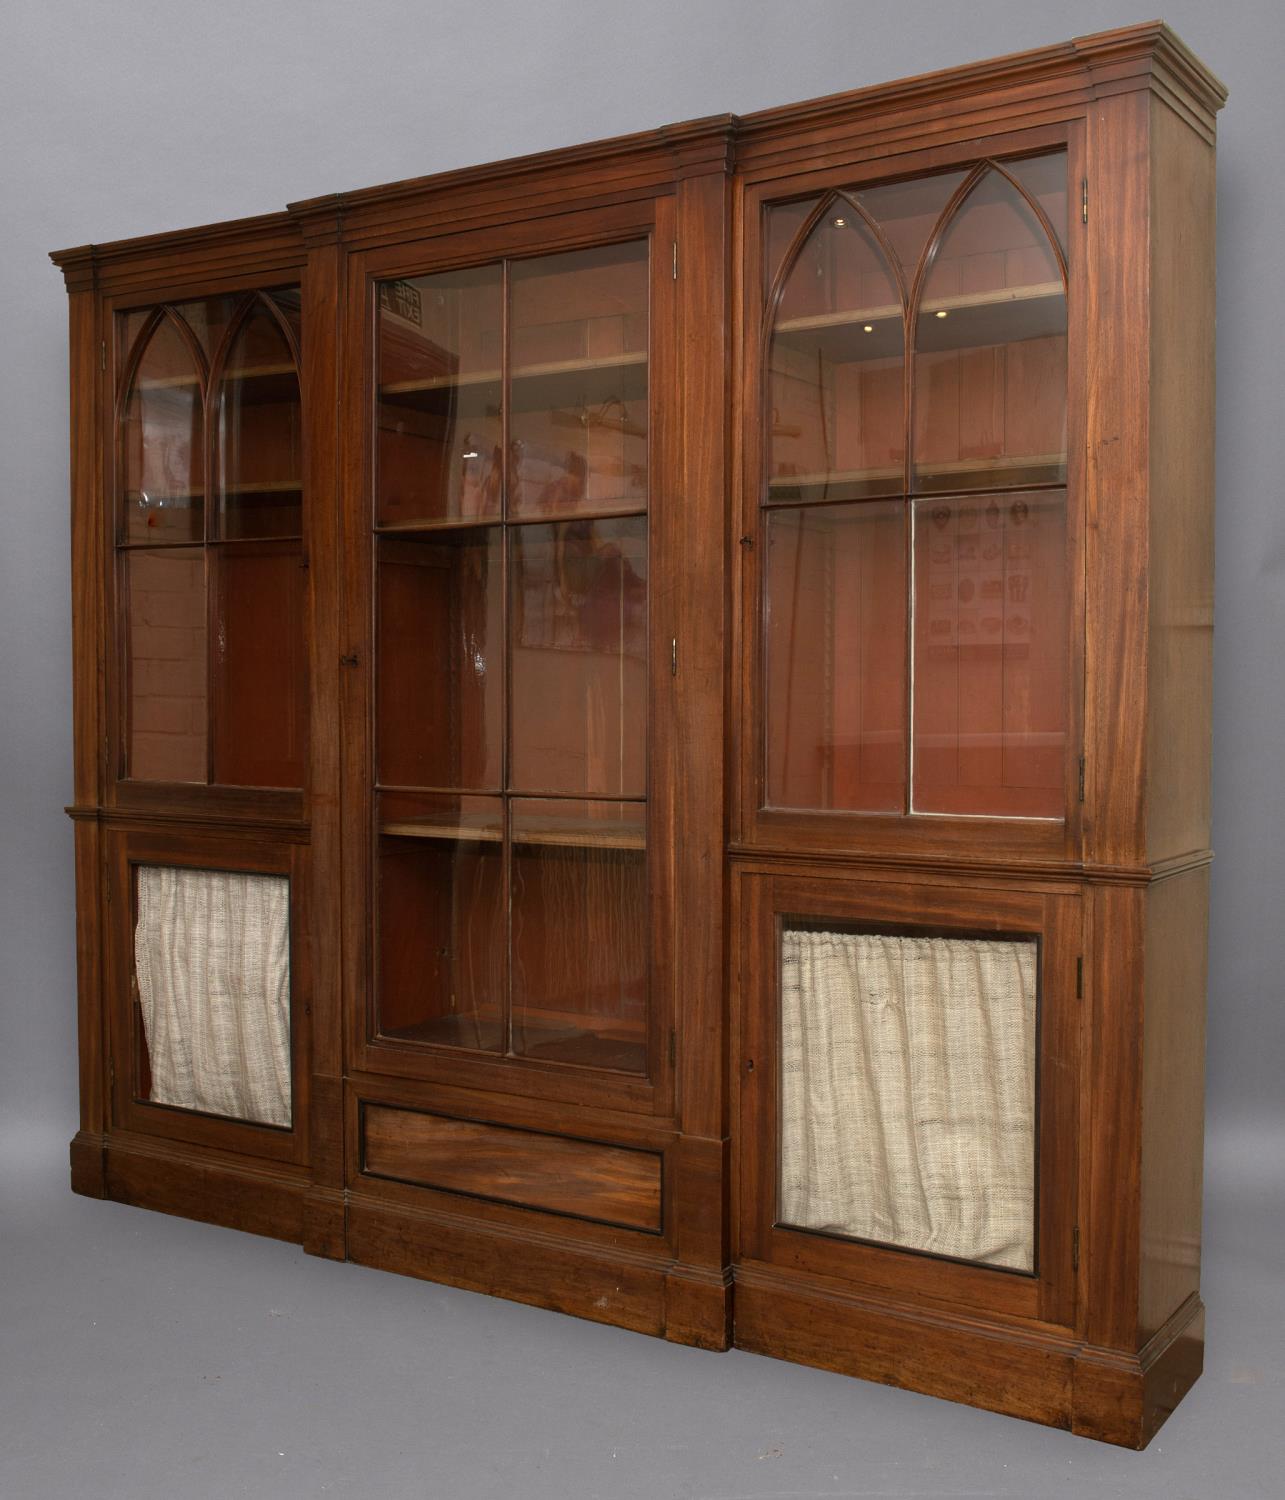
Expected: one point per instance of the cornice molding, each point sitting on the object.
(1062, 77)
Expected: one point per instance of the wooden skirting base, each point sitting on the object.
(1113, 1397)
(1099, 1393)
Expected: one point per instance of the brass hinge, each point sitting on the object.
(1081, 778)
(675, 260)
(1079, 977)
(102, 355)
(1084, 200)
(1075, 1248)
(111, 1076)
(673, 1048)
(673, 657)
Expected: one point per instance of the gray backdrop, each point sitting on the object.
(143, 115)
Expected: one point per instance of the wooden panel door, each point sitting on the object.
(907, 1059)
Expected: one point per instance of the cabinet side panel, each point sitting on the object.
(1116, 364)
(1173, 1094)
(86, 630)
(1180, 663)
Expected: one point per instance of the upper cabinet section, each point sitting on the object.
(209, 552)
(916, 628)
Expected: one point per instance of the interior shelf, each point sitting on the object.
(963, 466)
(534, 387)
(566, 833)
(1027, 311)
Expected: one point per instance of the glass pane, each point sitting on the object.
(578, 674)
(166, 666)
(259, 448)
(784, 220)
(161, 443)
(440, 683)
(260, 728)
(580, 940)
(1044, 179)
(907, 1092)
(440, 355)
(835, 369)
(578, 381)
(991, 640)
(441, 920)
(836, 657)
(212, 965)
(990, 365)
(907, 213)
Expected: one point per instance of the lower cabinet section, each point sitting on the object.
(907, 1191)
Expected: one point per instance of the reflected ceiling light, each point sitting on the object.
(869, 327)
(839, 223)
(941, 313)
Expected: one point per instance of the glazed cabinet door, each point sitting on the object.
(509, 556)
(907, 1061)
(911, 556)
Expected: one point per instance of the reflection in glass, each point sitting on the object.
(578, 381)
(259, 726)
(441, 920)
(908, 1091)
(907, 213)
(212, 965)
(580, 932)
(165, 645)
(990, 340)
(835, 385)
(439, 425)
(835, 643)
(578, 672)
(259, 445)
(161, 442)
(991, 640)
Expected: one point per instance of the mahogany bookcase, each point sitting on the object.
(642, 727)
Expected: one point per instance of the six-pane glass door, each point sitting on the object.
(916, 607)
(511, 566)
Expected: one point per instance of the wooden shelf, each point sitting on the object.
(1027, 315)
(842, 477)
(559, 833)
(470, 523)
(244, 372)
(268, 487)
(523, 372)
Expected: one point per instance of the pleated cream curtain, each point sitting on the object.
(908, 1092)
(212, 957)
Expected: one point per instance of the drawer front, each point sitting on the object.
(581, 1179)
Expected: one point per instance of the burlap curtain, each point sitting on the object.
(212, 957)
(908, 1092)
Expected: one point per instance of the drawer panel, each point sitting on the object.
(583, 1179)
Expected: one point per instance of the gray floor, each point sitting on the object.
(143, 1356)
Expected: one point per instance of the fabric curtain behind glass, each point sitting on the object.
(908, 1092)
(212, 957)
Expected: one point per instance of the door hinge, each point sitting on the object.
(1084, 200)
(102, 355)
(1081, 791)
(1079, 977)
(111, 1076)
(675, 260)
(673, 1048)
(673, 657)
(1075, 1248)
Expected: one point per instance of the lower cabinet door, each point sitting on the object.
(908, 1056)
(208, 959)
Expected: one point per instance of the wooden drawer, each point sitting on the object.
(582, 1179)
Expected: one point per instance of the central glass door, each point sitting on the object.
(511, 676)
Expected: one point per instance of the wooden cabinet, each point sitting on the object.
(642, 727)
